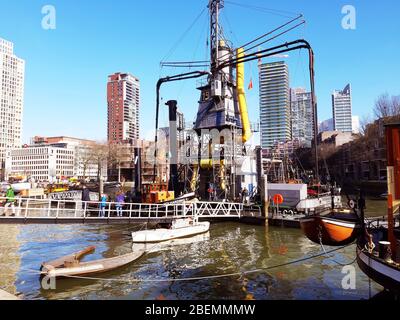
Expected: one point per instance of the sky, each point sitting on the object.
(67, 67)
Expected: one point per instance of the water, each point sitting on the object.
(228, 248)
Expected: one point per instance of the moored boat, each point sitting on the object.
(378, 250)
(70, 265)
(333, 229)
(375, 260)
(180, 228)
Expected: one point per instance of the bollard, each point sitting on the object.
(384, 250)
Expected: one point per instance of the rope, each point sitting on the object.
(337, 262)
(239, 274)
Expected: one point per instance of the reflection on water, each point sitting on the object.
(228, 248)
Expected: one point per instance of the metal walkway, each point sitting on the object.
(31, 211)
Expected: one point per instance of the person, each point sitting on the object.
(119, 199)
(129, 196)
(10, 199)
(103, 204)
(210, 191)
(85, 196)
(244, 195)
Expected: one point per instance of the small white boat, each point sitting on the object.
(180, 228)
(170, 244)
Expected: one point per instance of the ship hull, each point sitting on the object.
(330, 231)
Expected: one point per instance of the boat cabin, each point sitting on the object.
(156, 193)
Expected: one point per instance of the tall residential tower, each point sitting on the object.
(12, 74)
(341, 107)
(274, 104)
(302, 116)
(123, 100)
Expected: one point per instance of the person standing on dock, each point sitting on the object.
(85, 195)
(119, 202)
(10, 199)
(245, 193)
(103, 203)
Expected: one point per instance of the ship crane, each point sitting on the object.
(222, 124)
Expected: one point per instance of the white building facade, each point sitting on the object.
(53, 159)
(342, 111)
(42, 163)
(12, 75)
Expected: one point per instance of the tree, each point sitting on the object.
(85, 159)
(387, 106)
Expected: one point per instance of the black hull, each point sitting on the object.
(386, 275)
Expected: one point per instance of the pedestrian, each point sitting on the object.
(245, 193)
(129, 196)
(103, 203)
(10, 199)
(119, 199)
(85, 196)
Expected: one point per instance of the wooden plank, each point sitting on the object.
(69, 258)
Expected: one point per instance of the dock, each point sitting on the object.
(50, 211)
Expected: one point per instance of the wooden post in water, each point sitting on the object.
(264, 198)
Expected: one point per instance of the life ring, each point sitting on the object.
(351, 204)
(291, 212)
(284, 212)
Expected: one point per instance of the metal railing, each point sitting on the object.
(30, 208)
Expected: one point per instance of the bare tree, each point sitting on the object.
(85, 159)
(364, 122)
(387, 106)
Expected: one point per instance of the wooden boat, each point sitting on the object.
(180, 228)
(334, 229)
(378, 250)
(70, 265)
(372, 260)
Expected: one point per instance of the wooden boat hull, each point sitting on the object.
(330, 231)
(378, 270)
(69, 268)
(159, 235)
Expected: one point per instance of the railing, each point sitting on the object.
(29, 208)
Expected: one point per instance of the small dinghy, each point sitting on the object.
(70, 265)
(180, 228)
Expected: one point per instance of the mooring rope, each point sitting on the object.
(239, 274)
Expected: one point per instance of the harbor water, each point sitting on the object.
(231, 261)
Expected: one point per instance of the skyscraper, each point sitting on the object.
(274, 104)
(341, 107)
(302, 116)
(123, 100)
(12, 74)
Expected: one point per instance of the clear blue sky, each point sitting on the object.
(67, 68)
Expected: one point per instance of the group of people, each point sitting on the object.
(119, 201)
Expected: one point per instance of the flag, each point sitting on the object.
(250, 84)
